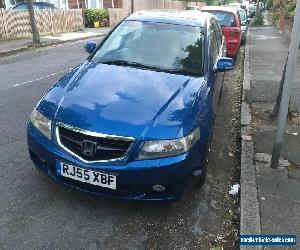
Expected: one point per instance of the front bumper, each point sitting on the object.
(134, 179)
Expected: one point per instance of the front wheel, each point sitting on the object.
(202, 177)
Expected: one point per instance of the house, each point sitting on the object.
(70, 4)
(98, 4)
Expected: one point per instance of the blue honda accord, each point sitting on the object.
(135, 120)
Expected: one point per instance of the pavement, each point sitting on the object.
(274, 194)
(9, 47)
(36, 213)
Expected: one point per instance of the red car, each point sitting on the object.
(231, 26)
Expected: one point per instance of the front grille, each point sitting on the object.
(106, 148)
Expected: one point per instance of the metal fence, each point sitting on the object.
(16, 23)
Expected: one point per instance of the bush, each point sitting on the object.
(291, 8)
(95, 15)
(269, 4)
(258, 20)
(275, 16)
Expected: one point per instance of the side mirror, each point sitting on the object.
(224, 64)
(90, 46)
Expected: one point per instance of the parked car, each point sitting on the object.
(36, 5)
(238, 5)
(244, 24)
(193, 8)
(252, 10)
(231, 27)
(129, 123)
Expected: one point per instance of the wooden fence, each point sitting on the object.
(116, 15)
(16, 23)
(285, 25)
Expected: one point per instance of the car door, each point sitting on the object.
(218, 50)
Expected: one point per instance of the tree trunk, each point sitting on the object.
(35, 33)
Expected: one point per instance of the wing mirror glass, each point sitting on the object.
(224, 64)
(90, 46)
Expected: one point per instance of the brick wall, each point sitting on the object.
(285, 25)
(2, 4)
(73, 4)
(112, 4)
(107, 4)
(118, 3)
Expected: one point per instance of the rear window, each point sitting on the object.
(226, 19)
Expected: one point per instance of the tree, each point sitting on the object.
(35, 33)
(209, 2)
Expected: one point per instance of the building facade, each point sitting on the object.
(70, 4)
(2, 4)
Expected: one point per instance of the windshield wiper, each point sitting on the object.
(118, 62)
(128, 63)
(183, 72)
(143, 66)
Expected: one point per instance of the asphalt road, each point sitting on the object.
(36, 213)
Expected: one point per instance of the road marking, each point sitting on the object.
(39, 49)
(40, 78)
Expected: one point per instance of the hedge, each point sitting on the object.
(269, 4)
(291, 8)
(95, 15)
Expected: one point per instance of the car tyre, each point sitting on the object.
(202, 177)
(243, 42)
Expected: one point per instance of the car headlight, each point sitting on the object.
(42, 123)
(168, 148)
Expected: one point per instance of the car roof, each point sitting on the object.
(182, 17)
(220, 8)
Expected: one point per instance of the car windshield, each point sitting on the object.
(156, 46)
(226, 19)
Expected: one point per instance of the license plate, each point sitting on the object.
(87, 176)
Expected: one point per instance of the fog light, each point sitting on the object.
(158, 188)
